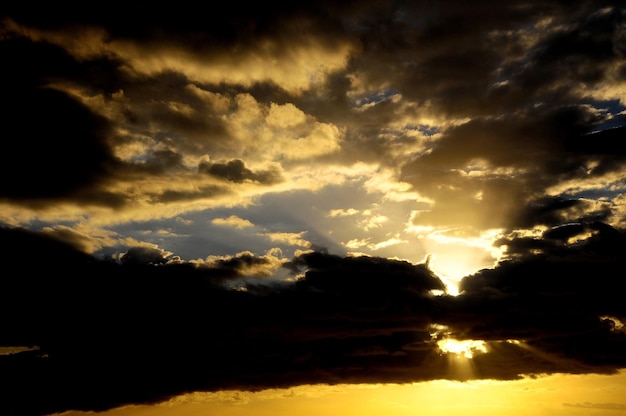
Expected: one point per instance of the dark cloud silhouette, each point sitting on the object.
(45, 129)
(363, 276)
(143, 255)
(236, 171)
(555, 294)
(580, 53)
(542, 149)
(145, 331)
(42, 151)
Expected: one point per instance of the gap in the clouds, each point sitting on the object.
(452, 286)
(426, 130)
(613, 110)
(452, 257)
(452, 268)
(377, 226)
(366, 101)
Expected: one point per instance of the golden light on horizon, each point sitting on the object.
(537, 396)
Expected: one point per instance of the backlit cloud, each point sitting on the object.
(360, 318)
(233, 221)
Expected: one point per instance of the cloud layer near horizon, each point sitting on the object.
(104, 334)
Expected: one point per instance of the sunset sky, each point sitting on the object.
(351, 208)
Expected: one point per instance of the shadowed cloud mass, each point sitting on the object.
(147, 328)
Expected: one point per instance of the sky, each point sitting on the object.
(255, 207)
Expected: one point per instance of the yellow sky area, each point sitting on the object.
(555, 395)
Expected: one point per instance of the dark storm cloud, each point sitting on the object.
(138, 21)
(146, 330)
(158, 323)
(605, 147)
(580, 52)
(536, 136)
(205, 191)
(440, 54)
(557, 296)
(349, 276)
(605, 242)
(143, 255)
(534, 149)
(236, 171)
(53, 146)
(552, 211)
(433, 54)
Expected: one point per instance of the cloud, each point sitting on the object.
(508, 166)
(294, 239)
(258, 139)
(39, 155)
(236, 171)
(453, 101)
(244, 264)
(149, 324)
(343, 212)
(143, 255)
(233, 221)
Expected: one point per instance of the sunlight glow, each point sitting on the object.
(457, 253)
(452, 286)
(465, 348)
(458, 354)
